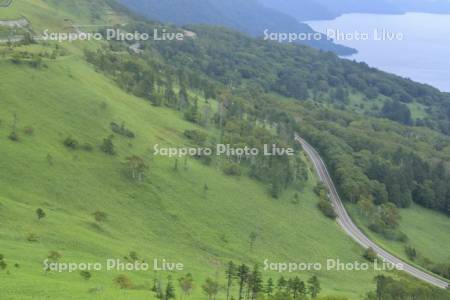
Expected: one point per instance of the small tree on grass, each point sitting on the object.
(136, 167)
(314, 286)
(170, 290)
(211, 288)
(40, 213)
(186, 284)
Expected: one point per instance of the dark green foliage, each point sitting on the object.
(411, 252)
(232, 169)
(108, 146)
(121, 130)
(327, 209)
(86, 275)
(40, 213)
(370, 255)
(71, 143)
(314, 286)
(199, 137)
(100, 216)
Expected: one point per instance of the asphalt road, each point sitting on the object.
(350, 228)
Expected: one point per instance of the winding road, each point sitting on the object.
(352, 230)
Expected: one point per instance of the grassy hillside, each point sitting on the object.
(167, 216)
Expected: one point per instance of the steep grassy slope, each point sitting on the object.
(168, 216)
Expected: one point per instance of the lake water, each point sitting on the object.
(412, 45)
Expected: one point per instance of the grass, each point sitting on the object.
(167, 216)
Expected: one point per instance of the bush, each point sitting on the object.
(31, 237)
(108, 146)
(232, 169)
(327, 209)
(13, 136)
(122, 130)
(40, 213)
(100, 216)
(123, 282)
(86, 275)
(199, 137)
(54, 255)
(370, 255)
(71, 143)
(411, 252)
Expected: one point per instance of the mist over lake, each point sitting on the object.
(413, 45)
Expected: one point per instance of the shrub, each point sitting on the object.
(327, 209)
(370, 254)
(13, 136)
(40, 213)
(71, 143)
(100, 216)
(232, 169)
(31, 237)
(54, 255)
(108, 146)
(123, 282)
(122, 130)
(411, 252)
(86, 275)
(199, 137)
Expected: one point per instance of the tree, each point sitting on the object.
(370, 255)
(136, 167)
(40, 213)
(243, 275)
(230, 275)
(314, 286)
(269, 287)
(211, 288)
(186, 284)
(256, 282)
(170, 291)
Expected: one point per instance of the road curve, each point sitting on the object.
(350, 228)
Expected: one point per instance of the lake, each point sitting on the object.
(413, 45)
